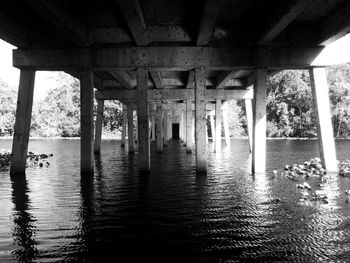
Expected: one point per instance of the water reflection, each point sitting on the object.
(24, 230)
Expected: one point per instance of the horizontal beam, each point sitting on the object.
(174, 94)
(164, 58)
(177, 82)
(335, 26)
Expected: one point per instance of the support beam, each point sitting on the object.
(63, 20)
(218, 126)
(184, 127)
(212, 128)
(98, 126)
(335, 26)
(157, 79)
(174, 94)
(131, 139)
(249, 116)
(259, 122)
(123, 78)
(284, 18)
(226, 76)
(189, 127)
(153, 128)
(133, 15)
(324, 124)
(22, 123)
(87, 126)
(210, 13)
(166, 127)
(170, 129)
(200, 122)
(226, 128)
(125, 121)
(159, 143)
(166, 58)
(142, 120)
(180, 125)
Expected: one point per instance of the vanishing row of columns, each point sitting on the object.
(164, 125)
(256, 115)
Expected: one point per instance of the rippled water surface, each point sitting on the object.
(172, 215)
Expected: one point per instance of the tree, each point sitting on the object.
(290, 110)
(8, 98)
(339, 88)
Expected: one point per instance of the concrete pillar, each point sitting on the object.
(212, 128)
(98, 126)
(142, 120)
(136, 129)
(170, 128)
(184, 127)
(87, 126)
(189, 126)
(320, 95)
(180, 125)
(166, 126)
(125, 121)
(153, 131)
(159, 142)
(249, 115)
(131, 139)
(226, 127)
(259, 122)
(218, 126)
(22, 123)
(200, 121)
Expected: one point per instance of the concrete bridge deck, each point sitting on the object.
(163, 51)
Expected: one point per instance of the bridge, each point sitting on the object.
(158, 56)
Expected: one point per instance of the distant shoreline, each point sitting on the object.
(119, 137)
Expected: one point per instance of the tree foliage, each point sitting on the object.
(290, 110)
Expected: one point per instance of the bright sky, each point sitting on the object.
(336, 53)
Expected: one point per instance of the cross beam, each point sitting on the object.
(173, 58)
(174, 94)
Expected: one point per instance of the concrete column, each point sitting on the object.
(142, 120)
(189, 126)
(180, 125)
(170, 129)
(200, 121)
(166, 126)
(320, 95)
(212, 128)
(87, 126)
(153, 131)
(131, 139)
(184, 127)
(98, 126)
(218, 126)
(125, 121)
(259, 122)
(136, 129)
(249, 115)
(22, 123)
(159, 143)
(226, 128)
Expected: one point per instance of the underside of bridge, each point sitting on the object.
(179, 56)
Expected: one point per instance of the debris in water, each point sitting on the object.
(33, 160)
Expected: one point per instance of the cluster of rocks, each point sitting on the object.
(38, 160)
(33, 160)
(344, 168)
(313, 168)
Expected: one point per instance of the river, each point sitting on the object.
(172, 215)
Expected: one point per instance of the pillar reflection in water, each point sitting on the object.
(24, 230)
